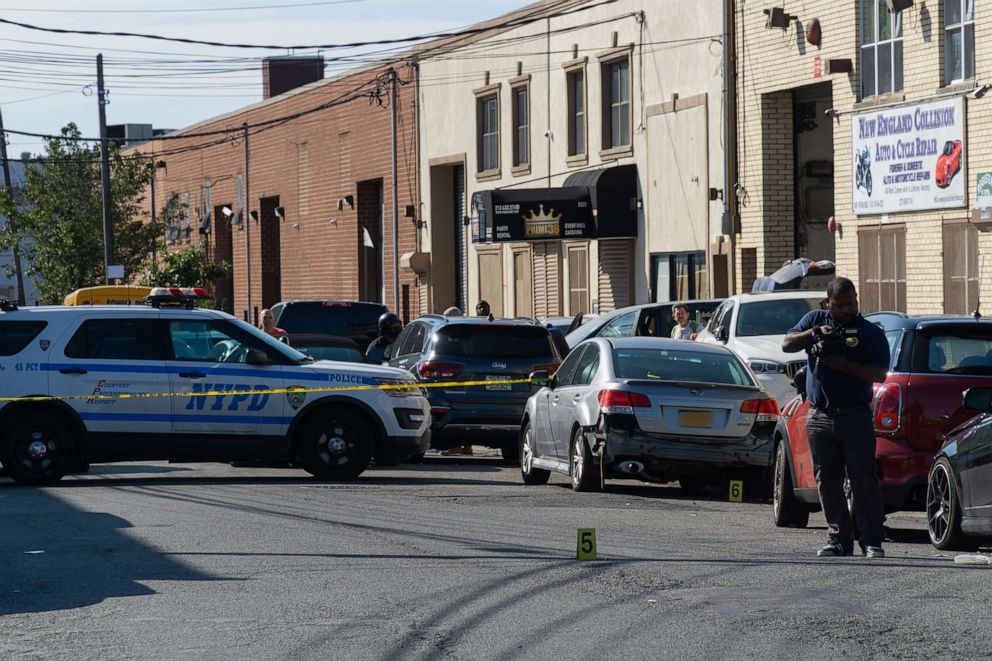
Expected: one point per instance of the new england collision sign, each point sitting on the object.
(909, 158)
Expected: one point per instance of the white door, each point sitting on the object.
(110, 356)
(209, 356)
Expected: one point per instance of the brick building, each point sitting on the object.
(318, 211)
(864, 137)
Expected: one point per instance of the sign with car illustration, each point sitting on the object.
(909, 158)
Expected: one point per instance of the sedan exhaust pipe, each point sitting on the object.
(631, 467)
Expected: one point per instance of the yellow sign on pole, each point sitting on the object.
(585, 548)
(736, 491)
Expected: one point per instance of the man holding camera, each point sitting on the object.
(847, 354)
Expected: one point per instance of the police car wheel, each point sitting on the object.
(38, 450)
(336, 445)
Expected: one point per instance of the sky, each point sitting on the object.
(48, 80)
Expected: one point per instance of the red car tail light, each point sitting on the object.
(622, 401)
(765, 409)
(436, 369)
(887, 407)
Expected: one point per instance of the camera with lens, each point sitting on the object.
(835, 343)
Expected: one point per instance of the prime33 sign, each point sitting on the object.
(909, 158)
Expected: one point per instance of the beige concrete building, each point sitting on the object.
(865, 136)
(571, 159)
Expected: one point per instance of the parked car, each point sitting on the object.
(948, 163)
(650, 320)
(959, 491)
(567, 324)
(649, 408)
(327, 347)
(435, 348)
(754, 325)
(357, 320)
(934, 359)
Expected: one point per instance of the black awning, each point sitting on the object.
(532, 214)
(613, 192)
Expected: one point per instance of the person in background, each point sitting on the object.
(482, 309)
(390, 327)
(268, 325)
(453, 311)
(685, 328)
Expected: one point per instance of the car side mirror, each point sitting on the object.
(388, 352)
(978, 399)
(799, 381)
(722, 334)
(539, 378)
(257, 357)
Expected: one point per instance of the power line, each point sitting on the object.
(178, 11)
(355, 44)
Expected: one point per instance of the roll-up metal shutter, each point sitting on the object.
(547, 279)
(616, 274)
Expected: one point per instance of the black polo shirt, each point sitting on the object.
(828, 388)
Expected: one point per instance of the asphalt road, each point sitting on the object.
(454, 559)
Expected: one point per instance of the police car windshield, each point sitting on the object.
(284, 349)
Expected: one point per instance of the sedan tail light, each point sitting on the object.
(436, 369)
(887, 407)
(765, 409)
(622, 401)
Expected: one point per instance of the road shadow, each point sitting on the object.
(54, 556)
(363, 481)
(667, 491)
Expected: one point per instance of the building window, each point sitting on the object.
(679, 276)
(521, 126)
(616, 104)
(959, 40)
(488, 122)
(881, 49)
(882, 262)
(576, 81)
(960, 268)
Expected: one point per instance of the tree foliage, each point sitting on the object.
(59, 218)
(188, 267)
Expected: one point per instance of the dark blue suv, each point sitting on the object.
(435, 348)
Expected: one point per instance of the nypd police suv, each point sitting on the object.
(200, 385)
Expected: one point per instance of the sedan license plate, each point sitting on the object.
(695, 419)
(496, 378)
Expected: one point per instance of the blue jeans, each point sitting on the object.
(842, 439)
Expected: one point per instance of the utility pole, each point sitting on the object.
(108, 233)
(393, 103)
(247, 220)
(18, 274)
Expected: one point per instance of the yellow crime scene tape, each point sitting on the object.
(266, 391)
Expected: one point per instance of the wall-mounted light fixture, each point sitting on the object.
(814, 34)
(980, 91)
(898, 5)
(346, 201)
(226, 211)
(280, 213)
(253, 214)
(777, 18)
(334, 221)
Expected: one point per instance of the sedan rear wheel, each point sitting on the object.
(944, 510)
(531, 476)
(584, 474)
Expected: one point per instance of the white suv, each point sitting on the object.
(86, 359)
(754, 325)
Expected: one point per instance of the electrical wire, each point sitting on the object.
(355, 44)
(179, 11)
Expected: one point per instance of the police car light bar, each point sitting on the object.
(185, 297)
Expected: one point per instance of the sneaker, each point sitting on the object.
(874, 552)
(833, 549)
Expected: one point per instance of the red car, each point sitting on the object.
(948, 163)
(934, 359)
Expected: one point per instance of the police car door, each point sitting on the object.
(109, 354)
(209, 355)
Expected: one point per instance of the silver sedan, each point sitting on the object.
(649, 408)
